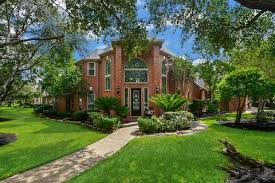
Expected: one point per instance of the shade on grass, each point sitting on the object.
(189, 159)
(38, 140)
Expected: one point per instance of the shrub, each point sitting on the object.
(197, 106)
(80, 116)
(104, 123)
(109, 123)
(265, 116)
(213, 107)
(106, 104)
(63, 114)
(121, 111)
(168, 122)
(43, 108)
(168, 102)
(148, 125)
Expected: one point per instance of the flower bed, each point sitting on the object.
(168, 122)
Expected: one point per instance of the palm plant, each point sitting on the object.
(168, 102)
(106, 104)
(121, 111)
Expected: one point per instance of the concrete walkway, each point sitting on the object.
(75, 163)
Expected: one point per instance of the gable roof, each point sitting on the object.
(95, 54)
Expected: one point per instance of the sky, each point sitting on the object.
(172, 39)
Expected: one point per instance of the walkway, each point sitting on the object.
(75, 163)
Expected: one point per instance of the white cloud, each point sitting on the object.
(60, 3)
(102, 46)
(199, 61)
(140, 3)
(150, 27)
(91, 36)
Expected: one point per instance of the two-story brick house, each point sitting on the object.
(108, 72)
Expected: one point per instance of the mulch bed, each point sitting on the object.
(194, 128)
(251, 125)
(245, 169)
(6, 138)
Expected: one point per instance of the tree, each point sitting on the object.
(31, 30)
(60, 79)
(212, 72)
(261, 56)
(182, 71)
(217, 26)
(243, 83)
(27, 94)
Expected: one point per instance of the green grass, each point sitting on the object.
(38, 140)
(187, 159)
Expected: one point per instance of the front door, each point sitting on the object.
(135, 101)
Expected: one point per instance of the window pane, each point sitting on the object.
(107, 68)
(163, 70)
(126, 96)
(107, 83)
(135, 76)
(164, 84)
(146, 105)
(91, 68)
(91, 100)
(136, 63)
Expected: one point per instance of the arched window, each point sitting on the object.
(164, 76)
(136, 71)
(107, 75)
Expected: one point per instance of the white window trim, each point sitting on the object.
(127, 96)
(88, 69)
(88, 99)
(164, 75)
(107, 76)
(145, 88)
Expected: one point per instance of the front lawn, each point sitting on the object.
(189, 159)
(38, 140)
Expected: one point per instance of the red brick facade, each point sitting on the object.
(152, 58)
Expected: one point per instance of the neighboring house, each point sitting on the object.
(108, 72)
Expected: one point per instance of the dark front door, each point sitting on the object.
(135, 101)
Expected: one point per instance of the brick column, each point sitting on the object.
(117, 71)
(155, 74)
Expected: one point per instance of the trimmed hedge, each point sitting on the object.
(104, 123)
(80, 116)
(168, 122)
(197, 106)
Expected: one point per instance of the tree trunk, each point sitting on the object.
(238, 115)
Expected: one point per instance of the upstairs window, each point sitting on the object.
(107, 75)
(136, 71)
(91, 69)
(164, 76)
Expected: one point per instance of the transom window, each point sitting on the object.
(91, 69)
(164, 76)
(136, 71)
(107, 75)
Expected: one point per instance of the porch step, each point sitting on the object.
(129, 119)
(129, 124)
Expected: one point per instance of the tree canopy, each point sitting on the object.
(244, 83)
(212, 72)
(215, 25)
